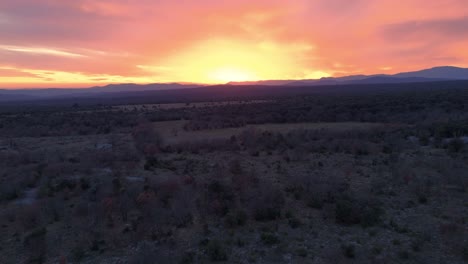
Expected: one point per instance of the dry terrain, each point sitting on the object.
(298, 180)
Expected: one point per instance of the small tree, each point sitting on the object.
(147, 140)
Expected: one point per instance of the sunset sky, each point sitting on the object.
(58, 43)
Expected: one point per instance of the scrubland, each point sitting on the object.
(365, 178)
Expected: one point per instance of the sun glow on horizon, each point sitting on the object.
(228, 74)
(217, 61)
(212, 61)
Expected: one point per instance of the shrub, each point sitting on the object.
(349, 251)
(302, 252)
(456, 145)
(268, 205)
(35, 245)
(236, 218)
(316, 190)
(269, 239)
(8, 193)
(150, 163)
(377, 250)
(350, 212)
(404, 254)
(422, 199)
(219, 197)
(416, 245)
(313, 201)
(182, 208)
(371, 215)
(235, 167)
(216, 251)
(346, 212)
(187, 258)
(148, 254)
(294, 223)
(465, 252)
(78, 253)
(264, 214)
(147, 140)
(30, 217)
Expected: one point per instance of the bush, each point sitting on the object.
(236, 218)
(8, 194)
(346, 212)
(269, 239)
(302, 252)
(235, 167)
(315, 202)
(78, 253)
(216, 251)
(371, 215)
(264, 214)
(349, 251)
(351, 212)
(316, 190)
(35, 245)
(456, 145)
(465, 252)
(150, 163)
(269, 204)
(220, 197)
(404, 254)
(187, 258)
(147, 140)
(294, 223)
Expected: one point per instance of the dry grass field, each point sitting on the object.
(173, 131)
(152, 107)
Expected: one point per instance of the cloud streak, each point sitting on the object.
(43, 51)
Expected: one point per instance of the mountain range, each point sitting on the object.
(444, 73)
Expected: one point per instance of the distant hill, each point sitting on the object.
(391, 79)
(22, 94)
(271, 82)
(128, 87)
(428, 75)
(445, 73)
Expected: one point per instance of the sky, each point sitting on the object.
(80, 43)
